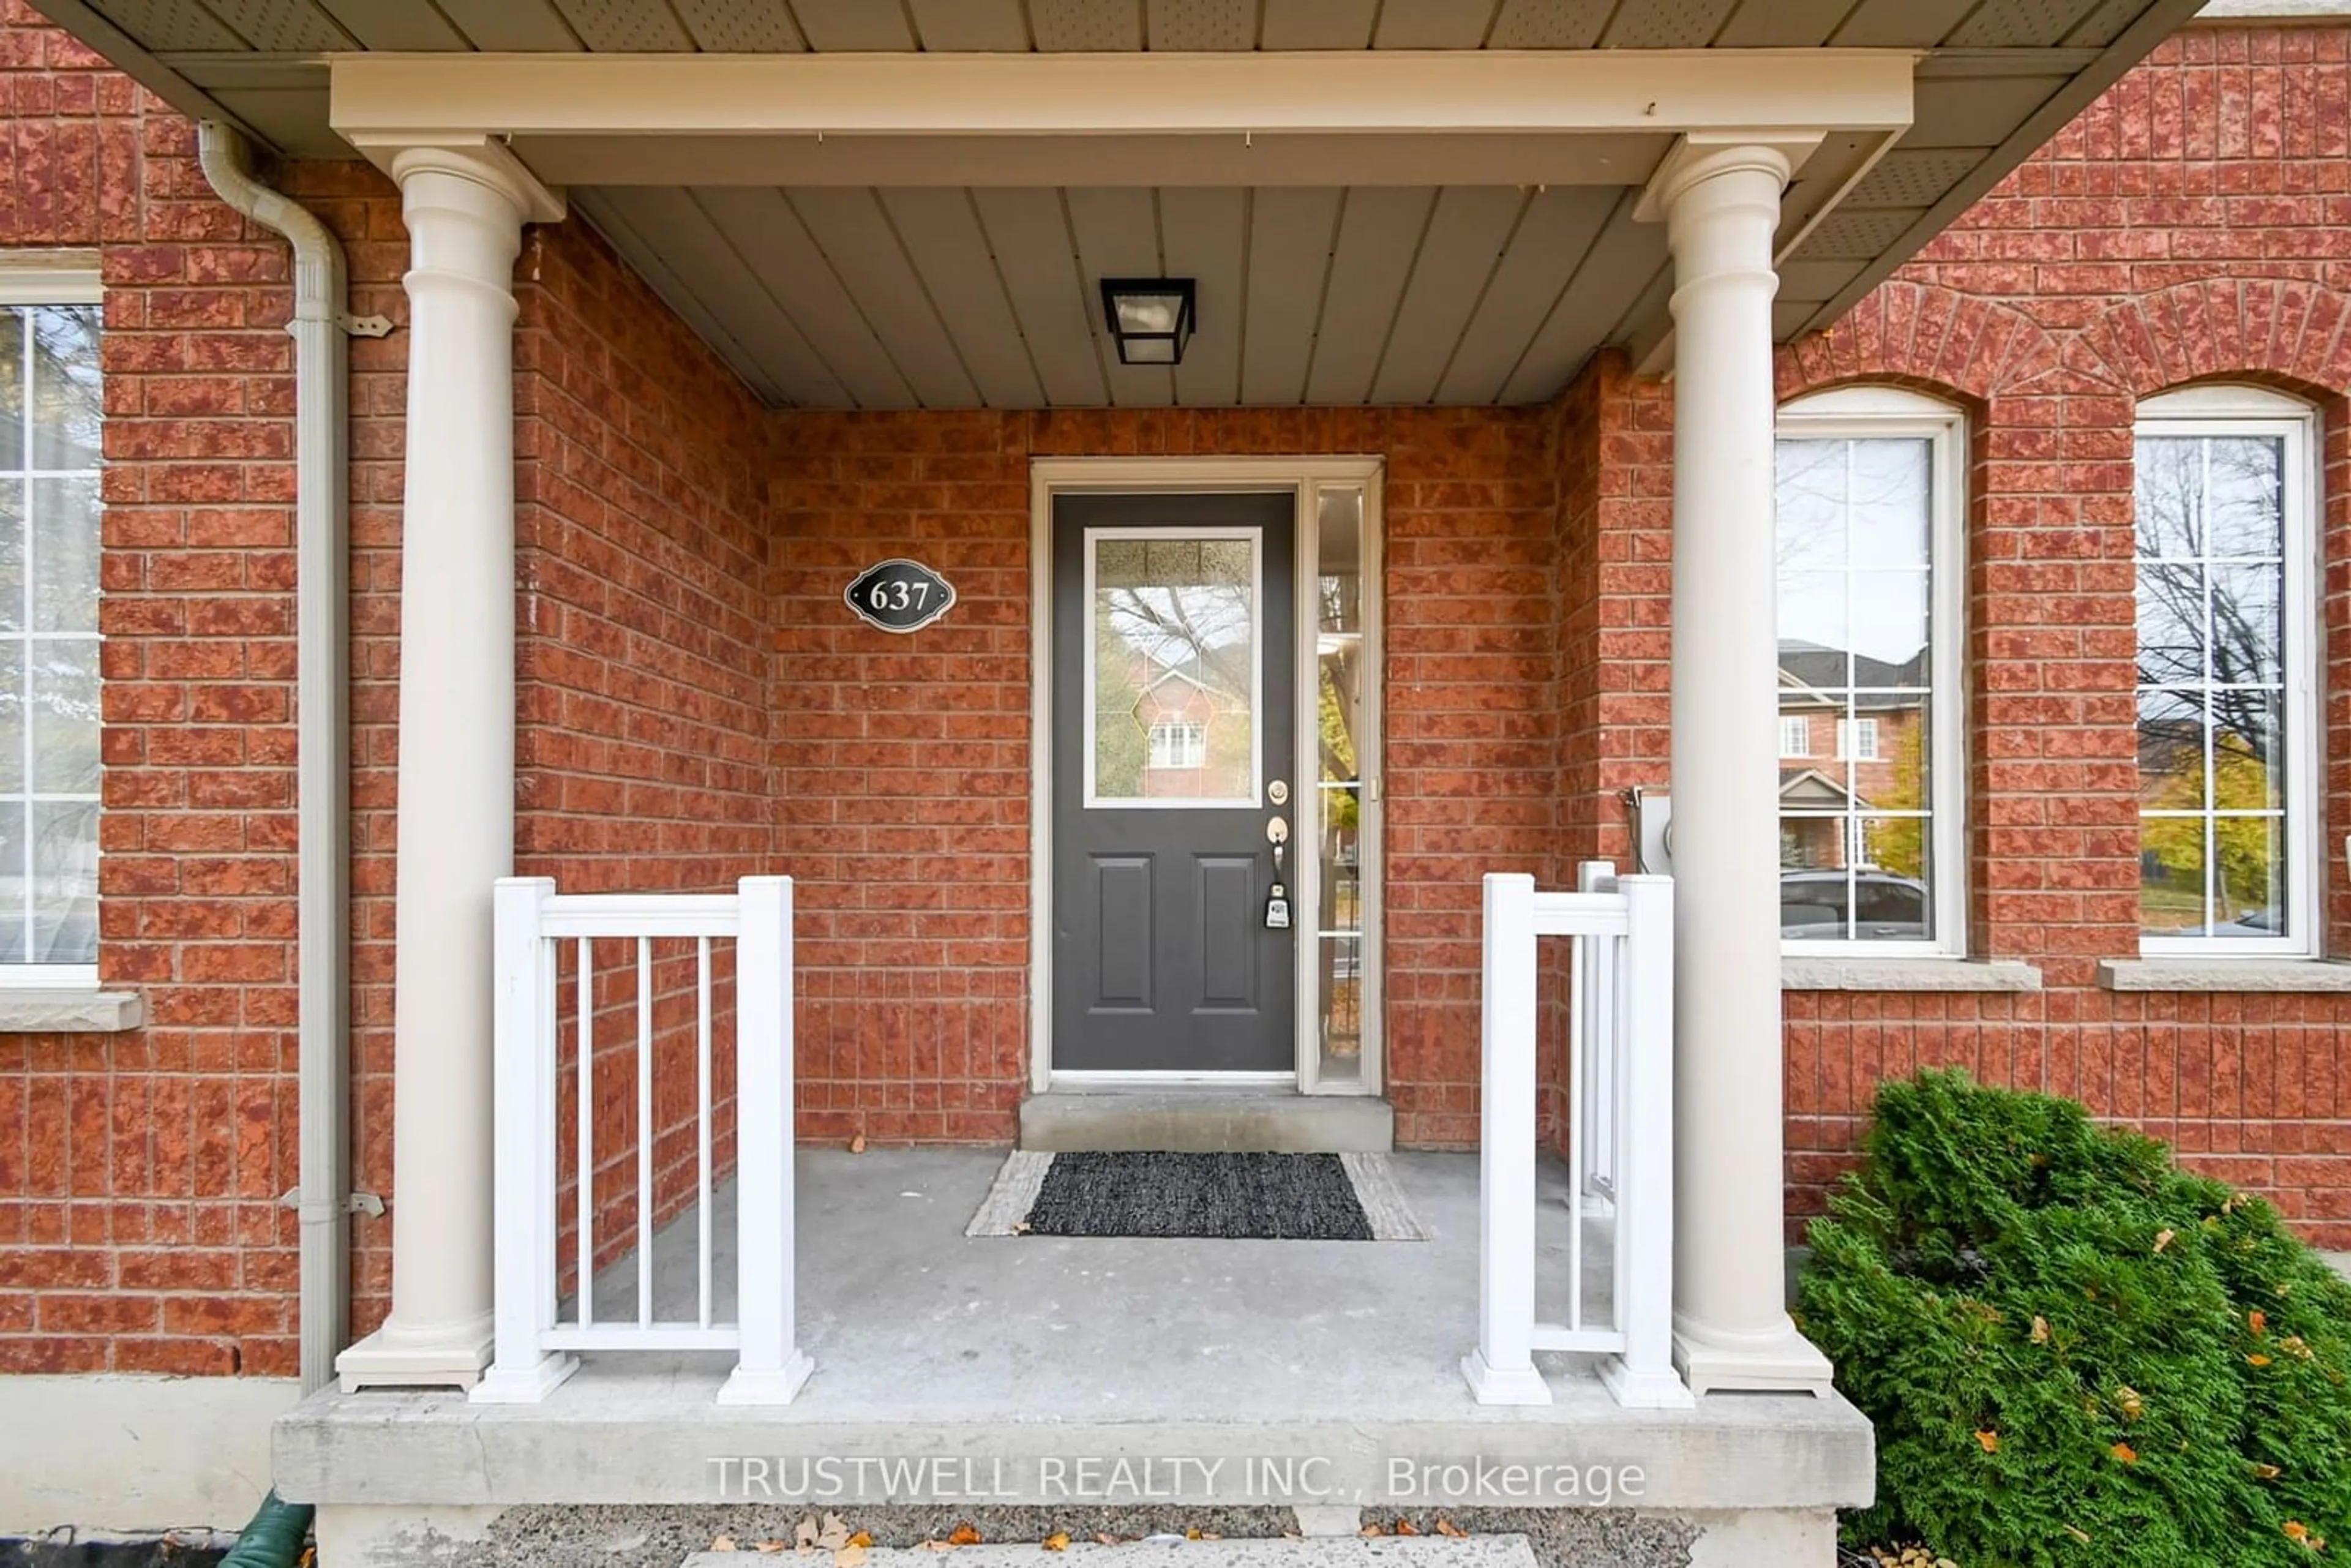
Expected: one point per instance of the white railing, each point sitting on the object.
(536, 1341)
(1620, 1156)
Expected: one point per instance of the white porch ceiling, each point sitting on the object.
(942, 287)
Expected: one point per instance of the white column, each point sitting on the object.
(465, 206)
(1721, 201)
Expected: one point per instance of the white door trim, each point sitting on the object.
(1303, 476)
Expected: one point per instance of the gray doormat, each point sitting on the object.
(1245, 1196)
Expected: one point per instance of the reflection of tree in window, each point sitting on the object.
(1173, 611)
(2211, 542)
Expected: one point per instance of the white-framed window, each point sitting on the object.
(1179, 743)
(2230, 854)
(50, 427)
(1795, 736)
(1869, 543)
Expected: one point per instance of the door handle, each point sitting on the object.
(1277, 833)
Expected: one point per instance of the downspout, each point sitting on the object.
(322, 501)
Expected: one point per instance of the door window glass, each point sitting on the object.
(1172, 667)
(1341, 716)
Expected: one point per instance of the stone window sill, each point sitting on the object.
(1816, 974)
(2224, 975)
(70, 1012)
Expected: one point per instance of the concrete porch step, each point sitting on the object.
(1312, 1551)
(1207, 1121)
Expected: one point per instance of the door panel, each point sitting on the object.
(1174, 710)
(1121, 905)
(1231, 923)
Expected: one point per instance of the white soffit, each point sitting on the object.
(1468, 265)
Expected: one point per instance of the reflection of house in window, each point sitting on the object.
(1830, 808)
(1179, 745)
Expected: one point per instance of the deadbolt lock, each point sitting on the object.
(1277, 792)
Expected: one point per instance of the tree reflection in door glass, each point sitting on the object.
(1174, 669)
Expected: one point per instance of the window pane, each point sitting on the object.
(1855, 587)
(1889, 629)
(11, 554)
(2244, 503)
(2248, 876)
(1812, 641)
(12, 722)
(2170, 501)
(65, 716)
(1811, 486)
(12, 390)
(65, 881)
(2171, 612)
(2172, 751)
(2246, 603)
(65, 554)
(1891, 505)
(66, 407)
(1175, 647)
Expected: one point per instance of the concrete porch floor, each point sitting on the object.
(1015, 1360)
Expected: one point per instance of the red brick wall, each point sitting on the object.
(902, 764)
(643, 759)
(139, 1228)
(2195, 224)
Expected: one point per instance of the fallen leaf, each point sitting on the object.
(2125, 1452)
(1988, 1441)
(857, 1145)
(2300, 1534)
(2128, 1399)
(861, 1538)
(1206, 1535)
(1446, 1527)
(849, 1557)
(722, 1543)
(1192, 1533)
(1406, 1527)
(1057, 1541)
(1375, 1528)
(2081, 1535)
(835, 1533)
(2258, 1321)
(805, 1536)
(2267, 1473)
(2039, 1330)
(771, 1547)
(2163, 1238)
(2257, 1359)
(1103, 1538)
(963, 1535)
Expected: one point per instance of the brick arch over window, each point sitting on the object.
(2287, 333)
(1962, 348)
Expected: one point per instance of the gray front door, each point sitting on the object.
(1173, 719)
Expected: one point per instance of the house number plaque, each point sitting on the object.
(900, 595)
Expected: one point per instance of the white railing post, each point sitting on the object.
(522, 977)
(1642, 1374)
(1501, 1370)
(771, 1368)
